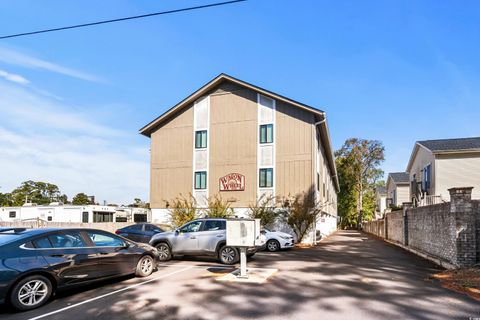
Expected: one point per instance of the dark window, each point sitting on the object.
(191, 227)
(200, 139)
(427, 176)
(266, 178)
(42, 243)
(67, 240)
(12, 214)
(201, 180)
(318, 182)
(324, 189)
(266, 133)
(213, 225)
(49, 218)
(101, 239)
(29, 245)
(151, 227)
(140, 217)
(102, 217)
(85, 217)
(120, 219)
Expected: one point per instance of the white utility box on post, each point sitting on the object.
(242, 233)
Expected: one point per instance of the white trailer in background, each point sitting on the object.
(57, 212)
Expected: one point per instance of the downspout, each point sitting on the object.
(315, 151)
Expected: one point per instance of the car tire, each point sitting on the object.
(273, 245)
(164, 251)
(228, 255)
(145, 266)
(250, 255)
(30, 292)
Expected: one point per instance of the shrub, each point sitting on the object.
(264, 210)
(218, 208)
(301, 212)
(182, 210)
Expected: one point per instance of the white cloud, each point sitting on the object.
(14, 57)
(41, 139)
(13, 77)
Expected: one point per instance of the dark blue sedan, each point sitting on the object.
(140, 232)
(36, 262)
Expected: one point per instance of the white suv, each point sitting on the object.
(277, 240)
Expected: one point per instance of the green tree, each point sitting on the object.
(264, 210)
(358, 165)
(218, 208)
(36, 192)
(6, 200)
(81, 199)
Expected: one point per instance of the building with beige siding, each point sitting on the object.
(398, 190)
(239, 141)
(438, 165)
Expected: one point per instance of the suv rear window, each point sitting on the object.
(213, 225)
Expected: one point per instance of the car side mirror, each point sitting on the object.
(177, 231)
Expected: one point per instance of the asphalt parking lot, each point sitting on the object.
(348, 276)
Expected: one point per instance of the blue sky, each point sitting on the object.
(71, 102)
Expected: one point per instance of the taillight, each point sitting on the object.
(117, 232)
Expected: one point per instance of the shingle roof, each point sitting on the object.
(400, 177)
(451, 144)
(381, 190)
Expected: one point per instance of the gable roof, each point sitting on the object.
(399, 177)
(149, 128)
(442, 146)
(446, 145)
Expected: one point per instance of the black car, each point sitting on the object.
(140, 232)
(37, 262)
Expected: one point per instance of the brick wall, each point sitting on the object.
(431, 229)
(476, 210)
(395, 226)
(376, 227)
(448, 233)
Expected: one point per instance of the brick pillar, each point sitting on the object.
(461, 208)
(386, 225)
(406, 206)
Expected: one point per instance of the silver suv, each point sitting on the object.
(201, 237)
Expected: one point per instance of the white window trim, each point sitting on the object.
(207, 149)
(260, 190)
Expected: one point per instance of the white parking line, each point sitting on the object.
(110, 293)
(196, 266)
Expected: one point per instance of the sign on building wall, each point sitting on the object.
(232, 182)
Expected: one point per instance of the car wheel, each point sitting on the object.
(31, 292)
(250, 255)
(273, 245)
(164, 252)
(145, 266)
(228, 255)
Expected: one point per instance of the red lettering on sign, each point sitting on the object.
(232, 182)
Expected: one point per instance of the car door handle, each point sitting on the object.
(103, 253)
(219, 235)
(193, 237)
(57, 255)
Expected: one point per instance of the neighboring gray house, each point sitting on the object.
(437, 165)
(398, 188)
